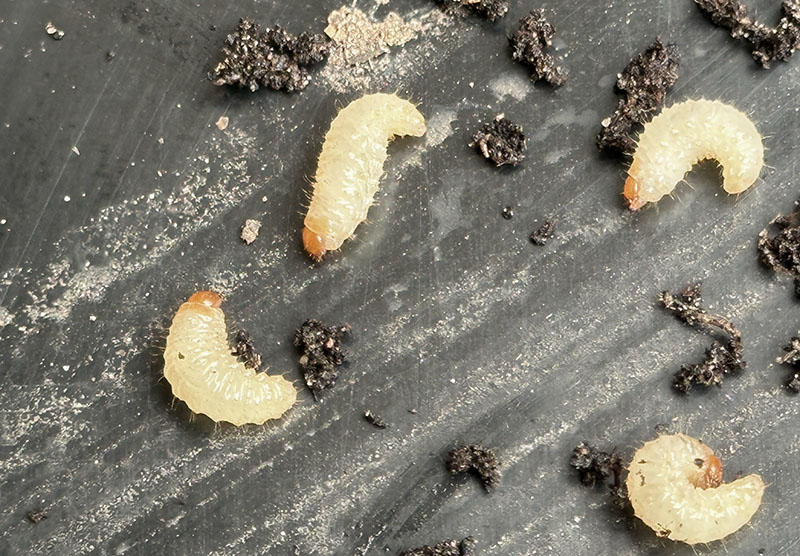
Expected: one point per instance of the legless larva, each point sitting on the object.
(351, 165)
(686, 133)
(675, 486)
(203, 373)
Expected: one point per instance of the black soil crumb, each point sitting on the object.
(245, 350)
(508, 212)
(545, 232)
(721, 359)
(528, 44)
(375, 420)
(322, 353)
(768, 43)
(445, 548)
(482, 461)
(271, 58)
(595, 466)
(487, 9)
(792, 358)
(501, 141)
(781, 252)
(644, 82)
(36, 516)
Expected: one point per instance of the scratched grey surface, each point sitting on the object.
(454, 313)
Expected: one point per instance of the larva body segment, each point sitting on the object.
(351, 165)
(686, 133)
(675, 486)
(203, 373)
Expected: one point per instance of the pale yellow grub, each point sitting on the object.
(675, 486)
(204, 374)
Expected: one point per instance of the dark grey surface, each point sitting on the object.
(529, 350)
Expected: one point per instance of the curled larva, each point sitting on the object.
(675, 486)
(351, 165)
(203, 373)
(686, 133)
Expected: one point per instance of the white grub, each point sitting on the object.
(203, 373)
(683, 135)
(222, 123)
(675, 486)
(250, 230)
(351, 165)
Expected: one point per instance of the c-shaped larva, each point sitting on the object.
(351, 165)
(675, 486)
(683, 135)
(203, 373)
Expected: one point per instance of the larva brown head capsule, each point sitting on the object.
(675, 486)
(351, 165)
(686, 133)
(199, 366)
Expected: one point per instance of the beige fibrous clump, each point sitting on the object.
(675, 486)
(204, 374)
(351, 165)
(685, 134)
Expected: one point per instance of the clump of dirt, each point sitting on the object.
(545, 232)
(501, 141)
(253, 58)
(36, 516)
(321, 353)
(487, 9)
(452, 547)
(597, 467)
(792, 358)
(528, 45)
(644, 83)
(721, 358)
(781, 252)
(245, 350)
(482, 461)
(375, 420)
(768, 44)
(250, 230)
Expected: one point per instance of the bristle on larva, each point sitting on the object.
(683, 135)
(351, 165)
(203, 373)
(675, 486)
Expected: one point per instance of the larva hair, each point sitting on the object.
(203, 373)
(675, 486)
(686, 133)
(351, 165)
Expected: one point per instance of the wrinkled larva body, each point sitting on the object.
(686, 133)
(675, 486)
(351, 165)
(203, 373)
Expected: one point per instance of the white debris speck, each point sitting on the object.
(250, 231)
(76, 151)
(222, 123)
(67, 198)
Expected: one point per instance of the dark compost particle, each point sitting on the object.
(322, 353)
(644, 83)
(375, 419)
(721, 359)
(792, 358)
(452, 547)
(488, 9)
(501, 141)
(781, 252)
(528, 44)
(545, 232)
(245, 350)
(36, 516)
(597, 467)
(768, 43)
(253, 58)
(482, 461)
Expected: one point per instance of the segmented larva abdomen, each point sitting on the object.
(351, 165)
(686, 133)
(675, 486)
(203, 373)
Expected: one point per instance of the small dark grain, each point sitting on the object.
(452, 547)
